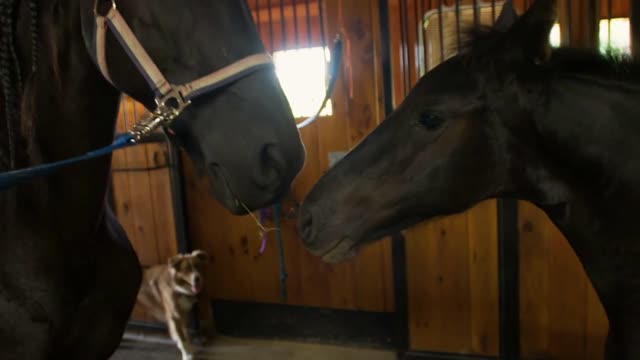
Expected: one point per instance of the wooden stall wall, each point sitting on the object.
(142, 198)
(237, 271)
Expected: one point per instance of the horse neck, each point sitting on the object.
(74, 112)
(586, 167)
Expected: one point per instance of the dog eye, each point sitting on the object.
(430, 121)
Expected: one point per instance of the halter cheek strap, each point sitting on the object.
(171, 99)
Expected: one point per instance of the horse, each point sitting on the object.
(69, 275)
(506, 117)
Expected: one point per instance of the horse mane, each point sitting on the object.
(483, 46)
(16, 127)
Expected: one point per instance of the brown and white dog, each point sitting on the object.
(169, 292)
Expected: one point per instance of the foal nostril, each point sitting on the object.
(305, 223)
(272, 166)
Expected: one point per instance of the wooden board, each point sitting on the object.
(561, 316)
(453, 283)
(142, 198)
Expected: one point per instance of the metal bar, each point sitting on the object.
(476, 14)
(177, 194)
(272, 48)
(295, 22)
(635, 29)
(404, 33)
(283, 26)
(609, 11)
(570, 23)
(321, 20)
(308, 15)
(398, 254)
(385, 41)
(402, 47)
(508, 279)
(441, 31)
(458, 24)
(417, 9)
(493, 11)
(257, 8)
(400, 291)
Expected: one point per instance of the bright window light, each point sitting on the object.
(303, 77)
(554, 36)
(620, 36)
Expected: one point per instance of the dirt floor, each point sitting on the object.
(155, 346)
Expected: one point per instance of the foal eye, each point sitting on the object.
(430, 121)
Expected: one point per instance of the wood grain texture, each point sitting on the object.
(452, 277)
(142, 199)
(238, 271)
(561, 316)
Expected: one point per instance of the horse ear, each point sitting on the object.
(531, 32)
(507, 17)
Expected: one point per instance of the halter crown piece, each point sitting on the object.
(170, 99)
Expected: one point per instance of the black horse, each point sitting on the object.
(506, 117)
(69, 276)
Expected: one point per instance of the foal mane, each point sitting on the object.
(485, 45)
(14, 133)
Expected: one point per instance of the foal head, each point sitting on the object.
(454, 141)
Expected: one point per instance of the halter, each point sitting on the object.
(170, 99)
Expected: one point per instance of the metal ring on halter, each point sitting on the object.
(174, 100)
(100, 2)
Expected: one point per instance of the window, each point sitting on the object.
(554, 36)
(617, 42)
(303, 77)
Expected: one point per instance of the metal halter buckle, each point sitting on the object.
(169, 107)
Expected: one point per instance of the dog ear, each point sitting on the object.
(174, 261)
(200, 255)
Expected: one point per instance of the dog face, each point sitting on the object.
(186, 271)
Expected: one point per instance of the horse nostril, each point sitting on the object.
(273, 165)
(305, 222)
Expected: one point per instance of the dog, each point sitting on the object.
(170, 291)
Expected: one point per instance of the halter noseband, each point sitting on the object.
(170, 99)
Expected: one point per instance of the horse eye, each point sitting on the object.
(430, 121)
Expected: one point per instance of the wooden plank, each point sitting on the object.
(439, 288)
(534, 276)
(561, 316)
(597, 327)
(483, 277)
(567, 295)
(161, 202)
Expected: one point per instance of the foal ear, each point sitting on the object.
(507, 17)
(531, 32)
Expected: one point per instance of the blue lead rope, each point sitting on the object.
(11, 178)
